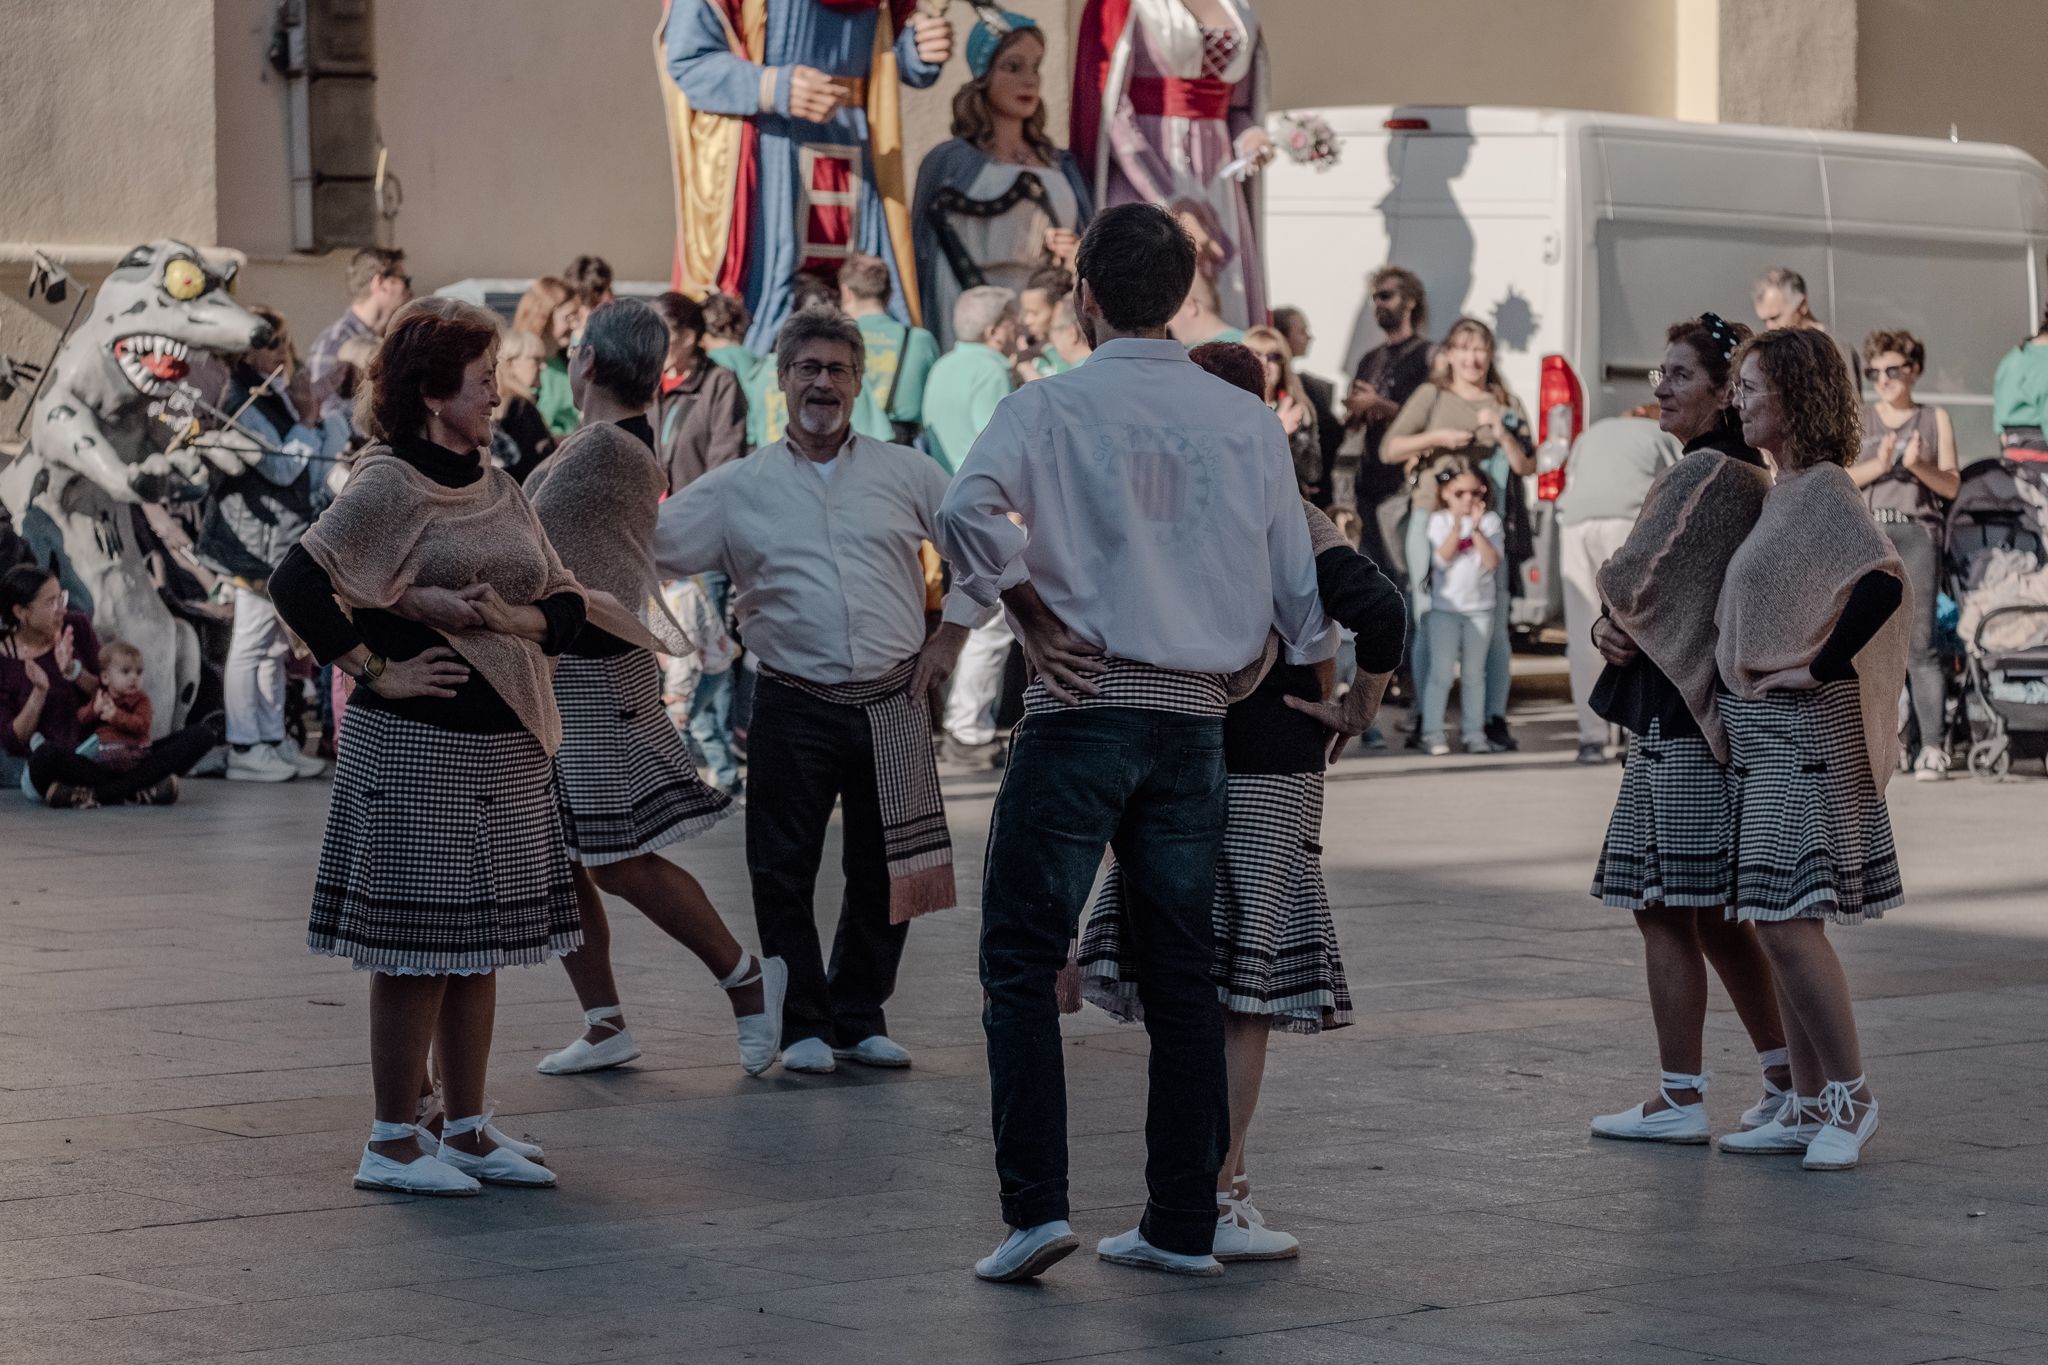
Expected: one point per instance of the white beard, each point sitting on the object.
(814, 423)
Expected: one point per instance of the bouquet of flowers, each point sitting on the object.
(1306, 138)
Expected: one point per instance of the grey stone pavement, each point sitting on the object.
(183, 1092)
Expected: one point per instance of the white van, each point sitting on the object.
(1580, 237)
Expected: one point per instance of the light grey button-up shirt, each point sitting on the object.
(1159, 514)
(825, 569)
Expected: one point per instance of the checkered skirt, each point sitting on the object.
(1673, 825)
(1813, 839)
(628, 786)
(443, 852)
(1276, 945)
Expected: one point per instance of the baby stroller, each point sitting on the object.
(1998, 571)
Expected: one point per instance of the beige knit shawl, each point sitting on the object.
(1663, 585)
(1787, 587)
(597, 497)
(393, 528)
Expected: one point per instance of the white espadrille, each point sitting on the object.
(584, 1055)
(1682, 1124)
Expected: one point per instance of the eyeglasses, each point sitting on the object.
(807, 371)
(1873, 374)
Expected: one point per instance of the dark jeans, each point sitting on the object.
(802, 755)
(1148, 784)
(1925, 681)
(171, 756)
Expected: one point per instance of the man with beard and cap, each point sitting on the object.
(819, 533)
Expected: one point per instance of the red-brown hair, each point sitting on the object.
(428, 345)
(1233, 364)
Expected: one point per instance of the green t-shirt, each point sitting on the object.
(1050, 362)
(899, 360)
(2019, 389)
(557, 405)
(739, 359)
(965, 387)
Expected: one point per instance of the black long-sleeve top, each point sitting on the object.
(304, 596)
(1263, 734)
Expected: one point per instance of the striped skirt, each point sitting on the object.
(628, 786)
(1813, 838)
(1276, 945)
(1673, 825)
(443, 852)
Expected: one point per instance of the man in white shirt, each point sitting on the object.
(819, 533)
(1161, 542)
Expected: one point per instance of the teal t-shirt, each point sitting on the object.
(2019, 388)
(960, 397)
(557, 405)
(1227, 334)
(899, 362)
(739, 359)
(1050, 363)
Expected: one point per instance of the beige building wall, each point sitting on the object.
(526, 131)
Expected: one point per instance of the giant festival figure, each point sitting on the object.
(788, 147)
(116, 426)
(1169, 98)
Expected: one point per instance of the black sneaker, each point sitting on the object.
(1498, 740)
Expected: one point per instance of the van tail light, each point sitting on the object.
(1559, 388)
(1406, 125)
(1561, 406)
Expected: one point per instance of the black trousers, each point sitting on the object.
(804, 754)
(1149, 784)
(171, 756)
(1926, 683)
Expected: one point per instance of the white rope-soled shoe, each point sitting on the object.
(1839, 1143)
(428, 1175)
(1775, 1096)
(499, 1166)
(1027, 1253)
(1786, 1135)
(760, 1034)
(1242, 1234)
(1681, 1124)
(584, 1055)
(430, 1109)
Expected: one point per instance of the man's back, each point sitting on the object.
(1163, 520)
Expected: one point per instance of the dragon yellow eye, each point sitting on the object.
(184, 280)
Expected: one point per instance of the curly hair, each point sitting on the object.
(429, 344)
(1823, 418)
(975, 122)
(1902, 341)
(1233, 363)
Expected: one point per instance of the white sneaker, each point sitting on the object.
(1931, 766)
(1131, 1248)
(1682, 1124)
(875, 1050)
(760, 1034)
(1028, 1253)
(1242, 1234)
(810, 1055)
(1786, 1135)
(584, 1055)
(427, 1175)
(259, 763)
(301, 762)
(1436, 748)
(499, 1166)
(1838, 1145)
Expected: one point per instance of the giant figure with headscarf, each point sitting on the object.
(788, 145)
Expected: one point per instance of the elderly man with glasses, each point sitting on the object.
(820, 534)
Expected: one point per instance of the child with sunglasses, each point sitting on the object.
(1467, 544)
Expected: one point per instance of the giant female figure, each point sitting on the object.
(1169, 94)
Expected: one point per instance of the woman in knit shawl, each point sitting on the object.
(430, 582)
(1277, 967)
(1812, 652)
(1666, 853)
(628, 786)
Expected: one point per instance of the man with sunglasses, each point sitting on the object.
(377, 287)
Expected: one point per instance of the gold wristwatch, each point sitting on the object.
(373, 669)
